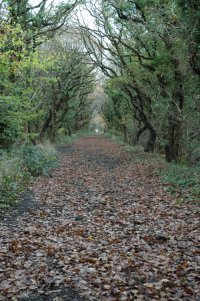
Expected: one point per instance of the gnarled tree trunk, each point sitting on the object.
(151, 142)
(139, 133)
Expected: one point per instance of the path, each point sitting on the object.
(103, 227)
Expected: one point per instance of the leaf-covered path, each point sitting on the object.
(101, 228)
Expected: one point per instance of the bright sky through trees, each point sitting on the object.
(81, 12)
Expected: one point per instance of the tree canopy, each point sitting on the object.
(46, 77)
(148, 52)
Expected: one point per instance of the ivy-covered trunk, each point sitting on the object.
(175, 130)
(53, 117)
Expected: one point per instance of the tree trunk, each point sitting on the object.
(53, 120)
(29, 132)
(150, 147)
(174, 133)
(125, 133)
(173, 146)
(139, 133)
(145, 118)
(45, 127)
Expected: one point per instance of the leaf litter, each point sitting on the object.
(103, 228)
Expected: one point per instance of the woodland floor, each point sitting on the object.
(101, 227)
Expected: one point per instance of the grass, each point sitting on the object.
(65, 139)
(114, 137)
(180, 180)
(137, 150)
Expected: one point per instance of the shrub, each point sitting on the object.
(40, 159)
(12, 177)
(17, 167)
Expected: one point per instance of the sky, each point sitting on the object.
(38, 1)
(85, 15)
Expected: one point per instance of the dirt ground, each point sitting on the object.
(100, 227)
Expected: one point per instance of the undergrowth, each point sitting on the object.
(114, 136)
(182, 181)
(139, 155)
(66, 139)
(19, 166)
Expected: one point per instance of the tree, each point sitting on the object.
(41, 88)
(143, 45)
(115, 57)
(69, 80)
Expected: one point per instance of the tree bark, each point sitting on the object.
(53, 120)
(151, 142)
(139, 133)
(125, 133)
(173, 146)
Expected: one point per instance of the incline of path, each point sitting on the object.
(100, 228)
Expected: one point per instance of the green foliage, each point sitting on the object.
(16, 85)
(115, 136)
(66, 139)
(182, 181)
(13, 176)
(18, 167)
(39, 160)
(44, 87)
(154, 72)
(39, 85)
